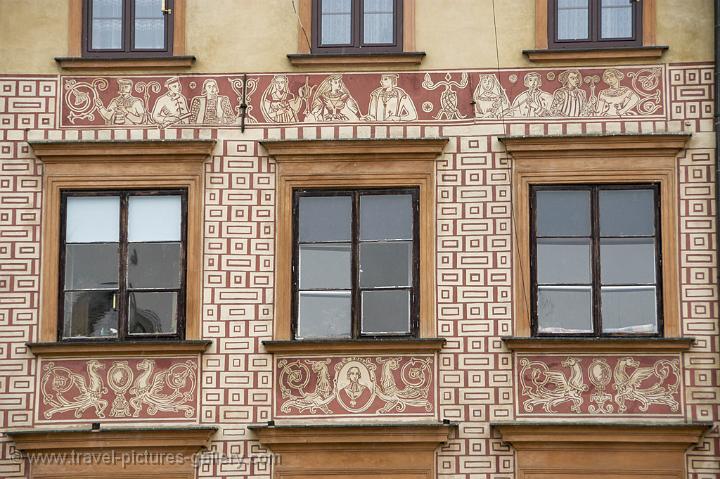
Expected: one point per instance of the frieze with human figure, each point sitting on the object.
(227, 101)
(358, 385)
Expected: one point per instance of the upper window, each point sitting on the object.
(355, 264)
(595, 260)
(594, 23)
(357, 26)
(122, 267)
(127, 28)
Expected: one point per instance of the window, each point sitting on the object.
(594, 23)
(595, 260)
(357, 26)
(141, 28)
(355, 263)
(123, 264)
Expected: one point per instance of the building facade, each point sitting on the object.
(315, 238)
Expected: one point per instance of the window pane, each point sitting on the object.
(154, 218)
(562, 213)
(92, 219)
(326, 218)
(563, 261)
(629, 309)
(386, 264)
(378, 22)
(616, 19)
(325, 266)
(152, 313)
(385, 312)
(149, 25)
(107, 24)
(627, 212)
(572, 19)
(384, 217)
(91, 266)
(324, 314)
(627, 260)
(154, 265)
(90, 314)
(336, 22)
(564, 309)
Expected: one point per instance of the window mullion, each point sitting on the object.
(596, 289)
(123, 300)
(354, 268)
(127, 23)
(358, 12)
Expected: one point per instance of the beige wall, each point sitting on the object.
(256, 35)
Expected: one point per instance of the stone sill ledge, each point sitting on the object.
(605, 344)
(385, 345)
(117, 348)
(183, 62)
(589, 54)
(340, 60)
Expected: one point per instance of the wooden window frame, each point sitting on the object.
(594, 189)
(342, 164)
(594, 29)
(123, 290)
(601, 159)
(120, 165)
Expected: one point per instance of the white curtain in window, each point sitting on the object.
(149, 25)
(336, 22)
(378, 22)
(106, 24)
(616, 19)
(572, 19)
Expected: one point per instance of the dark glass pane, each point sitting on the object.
(92, 219)
(152, 313)
(386, 264)
(385, 312)
(90, 314)
(154, 265)
(384, 217)
(627, 260)
(627, 212)
(91, 266)
(616, 19)
(325, 266)
(325, 218)
(378, 22)
(564, 309)
(572, 19)
(629, 309)
(336, 22)
(563, 261)
(324, 314)
(562, 213)
(149, 25)
(107, 24)
(154, 218)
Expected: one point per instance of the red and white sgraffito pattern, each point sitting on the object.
(355, 385)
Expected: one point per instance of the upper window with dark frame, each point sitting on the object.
(355, 263)
(357, 26)
(122, 28)
(122, 269)
(595, 260)
(594, 23)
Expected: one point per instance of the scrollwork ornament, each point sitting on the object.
(645, 83)
(120, 378)
(600, 375)
(82, 98)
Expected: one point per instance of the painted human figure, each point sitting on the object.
(171, 108)
(279, 104)
(332, 102)
(490, 98)
(533, 102)
(211, 108)
(124, 109)
(617, 100)
(390, 102)
(355, 393)
(569, 99)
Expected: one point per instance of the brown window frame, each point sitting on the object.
(123, 293)
(356, 46)
(594, 40)
(127, 34)
(594, 190)
(355, 289)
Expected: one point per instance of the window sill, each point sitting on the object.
(584, 54)
(394, 345)
(626, 344)
(117, 348)
(150, 63)
(375, 59)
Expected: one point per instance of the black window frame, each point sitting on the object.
(123, 294)
(595, 258)
(356, 45)
(595, 41)
(128, 36)
(356, 328)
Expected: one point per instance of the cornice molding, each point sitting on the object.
(117, 348)
(432, 434)
(355, 346)
(625, 345)
(74, 151)
(355, 150)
